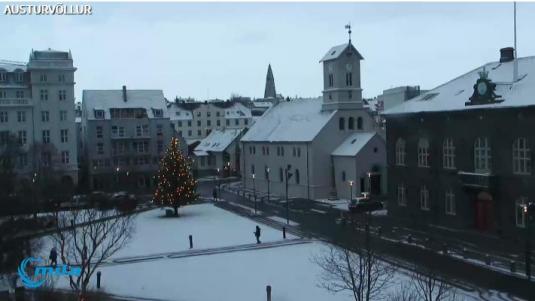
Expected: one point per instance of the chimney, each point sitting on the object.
(124, 94)
(507, 54)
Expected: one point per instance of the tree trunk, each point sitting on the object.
(176, 210)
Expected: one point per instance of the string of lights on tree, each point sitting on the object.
(176, 184)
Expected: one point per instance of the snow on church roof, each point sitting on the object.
(452, 95)
(216, 141)
(336, 51)
(353, 144)
(298, 120)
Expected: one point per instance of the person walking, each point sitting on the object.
(214, 194)
(53, 257)
(257, 234)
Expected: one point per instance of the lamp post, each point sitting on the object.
(267, 178)
(254, 194)
(350, 190)
(218, 184)
(288, 175)
(228, 168)
(117, 175)
(529, 212)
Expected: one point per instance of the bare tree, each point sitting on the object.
(429, 286)
(404, 293)
(87, 237)
(359, 271)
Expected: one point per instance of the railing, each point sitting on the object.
(15, 102)
(476, 180)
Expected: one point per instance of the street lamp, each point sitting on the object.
(218, 184)
(350, 190)
(529, 213)
(117, 175)
(228, 168)
(288, 175)
(267, 178)
(254, 194)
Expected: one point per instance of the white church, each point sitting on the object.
(330, 145)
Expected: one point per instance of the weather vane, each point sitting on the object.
(348, 27)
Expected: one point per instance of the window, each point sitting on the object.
(208, 131)
(46, 136)
(43, 78)
(227, 122)
(402, 195)
(19, 77)
(159, 130)
(62, 94)
(61, 78)
(351, 123)
(99, 131)
(281, 174)
(294, 151)
(424, 198)
(267, 150)
(208, 123)
(23, 160)
(520, 206)
(450, 202)
(331, 79)
(236, 121)
(217, 114)
(179, 123)
(246, 121)
(298, 152)
(208, 114)
(482, 155)
(3, 117)
(341, 123)
(22, 137)
(158, 113)
(218, 122)
(282, 151)
(448, 154)
(189, 133)
(62, 115)
(199, 133)
(252, 169)
(3, 76)
(46, 159)
(3, 94)
(45, 116)
(423, 152)
(297, 178)
(349, 94)
(349, 79)
(99, 114)
(100, 148)
(189, 123)
(21, 116)
(4, 137)
(19, 94)
(65, 157)
(160, 146)
(521, 157)
(400, 152)
(43, 94)
(198, 123)
(359, 123)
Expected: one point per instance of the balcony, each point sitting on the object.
(477, 180)
(15, 102)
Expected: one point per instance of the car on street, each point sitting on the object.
(364, 204)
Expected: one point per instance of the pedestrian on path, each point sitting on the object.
(214, 194)
(257, 234)
(53, 257)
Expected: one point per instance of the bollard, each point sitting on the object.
(465, 253)
(99, 274)
(487, 259)
(284, 232)
(512, 266)
(409, 239)
(268, 292)
(445, 249)
(191, 241)
(379, 230)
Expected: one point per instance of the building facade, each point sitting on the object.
(460, 155)
(301, 135)
(37, 109)
(125, 133)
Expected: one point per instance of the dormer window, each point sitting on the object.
(19, 77)
(158, 113)
(3, 76)
(99, 114)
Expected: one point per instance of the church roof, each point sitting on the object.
(353, 144)
(336, 51)
(452, 95)
(298, 120)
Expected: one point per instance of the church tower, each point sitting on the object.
(270, 84)
(341, 77)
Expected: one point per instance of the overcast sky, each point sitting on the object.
(213, 50)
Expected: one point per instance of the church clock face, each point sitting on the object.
(349, 67)
(482, 88)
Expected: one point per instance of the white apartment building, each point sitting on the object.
(125, 135)
(37, 108)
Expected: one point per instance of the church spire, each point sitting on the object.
(270, 84)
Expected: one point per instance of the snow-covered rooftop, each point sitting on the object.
(178, 113)
(353, 144)
(452, 95)
(336, 51)
(11, 66)
(298, 120)
(238, 110)
(113, 99)
(217, 141)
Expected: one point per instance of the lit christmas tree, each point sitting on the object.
(176, 185)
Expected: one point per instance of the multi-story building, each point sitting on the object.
(321, 141)
(37, 108)
(460, 155)
(125, 133)
(195, 120)
(395, 96)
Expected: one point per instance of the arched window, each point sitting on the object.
(448, 154)
(521, 157)
(341, 123)
(351, 123)
(423, 152)
(400, 152)
(359, 123)
(424, 198)
(482, 155)
(297, 179)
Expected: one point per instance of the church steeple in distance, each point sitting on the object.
(270, 84)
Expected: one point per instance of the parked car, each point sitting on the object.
(99, 199)
(124, 201)
(364, 204)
